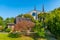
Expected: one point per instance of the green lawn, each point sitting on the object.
(4, 36)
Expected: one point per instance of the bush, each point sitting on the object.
(1, 28)
(39, 29)
(14, 35)
(8, 30)
(54, 24)
(41, 33)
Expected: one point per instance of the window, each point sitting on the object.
(33, 14)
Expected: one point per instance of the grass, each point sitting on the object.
(4, 36)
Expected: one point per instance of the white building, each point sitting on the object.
(35, 12)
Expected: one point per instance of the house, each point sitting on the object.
(10, 25)
(17, 20)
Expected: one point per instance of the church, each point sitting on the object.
(34, 13)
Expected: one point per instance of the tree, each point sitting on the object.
(12, 20)
(1, 21)
(24, 26)
(42, 15)
(39, 29)
(29, 16)
(20, 15)
(8, 20)
(53, 22)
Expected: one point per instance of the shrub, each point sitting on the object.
(8, 30)
(1, 28)
(24, 25)
(14, 35)
(54, 27)
(41, 33)
(53, 22)
(39, 29)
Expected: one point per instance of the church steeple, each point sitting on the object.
(43, 8)
(34, 8)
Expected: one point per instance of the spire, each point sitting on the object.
(34, 8)
(43, 8)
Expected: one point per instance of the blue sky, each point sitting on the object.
(12, 8)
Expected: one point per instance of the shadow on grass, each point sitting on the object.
(36, 36)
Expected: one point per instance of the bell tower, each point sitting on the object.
(43, 10)
(34, 13)
(34, 8)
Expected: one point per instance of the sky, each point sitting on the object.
(12, 8)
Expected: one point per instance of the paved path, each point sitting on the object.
(4, 32)
(49, 36)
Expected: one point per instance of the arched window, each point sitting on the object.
(33, 14)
